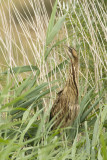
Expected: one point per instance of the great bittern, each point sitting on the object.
(65, 108)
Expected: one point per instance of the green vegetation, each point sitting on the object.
(34, 66)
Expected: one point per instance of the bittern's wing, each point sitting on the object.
(56, 106)
(60, 110)
(64, 112)
(60, 92)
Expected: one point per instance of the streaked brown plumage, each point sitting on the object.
(65, 108)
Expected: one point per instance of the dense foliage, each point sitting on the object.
(34, 67)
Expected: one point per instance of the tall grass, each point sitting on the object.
(34, 64)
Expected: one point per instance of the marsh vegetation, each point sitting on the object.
(33, 66)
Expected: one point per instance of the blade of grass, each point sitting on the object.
(52, 19)
(55, 30)
(87, 140)
(21, 69)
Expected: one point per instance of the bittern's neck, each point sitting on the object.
(73, 77)
(75, 73)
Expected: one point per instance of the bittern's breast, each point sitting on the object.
(71, 94)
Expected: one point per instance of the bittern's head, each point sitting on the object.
(72, 55)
